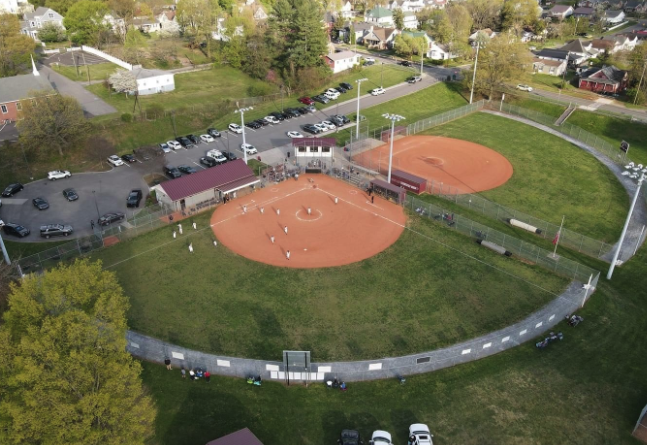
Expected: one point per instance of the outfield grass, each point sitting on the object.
(418, 295)
(614, 130)
(551, 176)
(100, 71)
(546, 108)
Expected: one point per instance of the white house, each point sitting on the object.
(117, 24)
(346, 10)
(561, 11)
(439, 51)
(15, 6)
(34, 21)
(613, 17)
(168, 22)
(258, 12)
(379, 16)
(410, 20)
(153, 81)
(221, 31)
(550, 67)
(406, 5)
(342, 61)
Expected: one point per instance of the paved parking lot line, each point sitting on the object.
(199, 165)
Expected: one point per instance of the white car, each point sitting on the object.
(320, 127)
(58, 174)
(249, 149)
(235, 128)
(369, 59)
(206, 138)
(380, 437)
(419, 434)
(378, 91)
(165, 148)
(333, 92)
(523, 87)
(115, 160)
(331, 96)
(175, 145)
(272, 120)
(294, 134)
(329, 125)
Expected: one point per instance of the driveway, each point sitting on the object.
(92, 105)
(110, 191)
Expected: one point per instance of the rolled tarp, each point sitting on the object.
(523, 225)
(495, 247)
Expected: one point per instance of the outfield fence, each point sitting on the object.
(148, 219)
(530, 252)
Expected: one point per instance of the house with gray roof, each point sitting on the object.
(34, 21)
(14, 90)
(613, 17)
(150, 81)
(560, 12)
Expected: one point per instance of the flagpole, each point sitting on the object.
(557, 237)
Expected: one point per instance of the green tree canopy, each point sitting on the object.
(15, 48)
(503, 61)
(66, 377)
(398, 19)
(51, 32)
(85, 22)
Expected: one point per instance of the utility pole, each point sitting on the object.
(87, 67)
(4, 251)
(640, 83)
(382, 76)
(568, 56)
(476, 60)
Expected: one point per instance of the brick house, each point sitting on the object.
(608, 79)
(14, 90)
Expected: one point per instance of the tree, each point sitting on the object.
(66, 375)
(484, 13)
(398, 18)
(85, 22)
(353, 37)
(503, 61)
(51, 32)
(257, 62)
(518, 13)
(123, 81)
(56, 119)
(60, 6)
(134, 46)
(307, 41)
(15, 48)
(198, 19)
(125, 10)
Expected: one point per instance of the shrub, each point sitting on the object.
(154, 111)
(259, 89)
(127, 117)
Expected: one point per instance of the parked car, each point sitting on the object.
(406, 63)
(349, 437)
(311, 109)
(261, 122)
(346, 85)
(230, 156)
(235, 128)
(115, 160)
(304, 110)
(343, 118)
(249, 149)
(293, 112)
(208, 161)
(338, 121)
(15, 230)
(286, 116)
(49, 230)
(40, 203)
(70, 195)
(309, 128)
(175, 145)
(217, 156)
(341, 90)
(329, 125)
(12, 189)
(206, 138)
(377, 91)
(253, 124)
(128, 158)
(414, 79)
(321, 99)
(294, 134)
(523, 87)
(369, 62)
(306, 100)
(321, 128)
(134, 197)
(272, 120)
(213, 133)
(187, 169)
(171, 171)
(278, 116)
(111, 217)
(193, 138)
(369, 59)
(184, 142)
(165, 147)
(58, 174)
(380, 437)
(420, 434)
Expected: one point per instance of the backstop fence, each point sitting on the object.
(527, 251)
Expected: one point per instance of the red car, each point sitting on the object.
(306, 100)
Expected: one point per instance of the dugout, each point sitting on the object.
(388, 191)
(408, 181)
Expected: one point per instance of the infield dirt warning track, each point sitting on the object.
(333, 234)
(464, 166)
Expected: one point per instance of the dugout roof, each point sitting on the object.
(313, 142)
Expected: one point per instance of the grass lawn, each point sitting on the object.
(546, 108)
(551, 177)
(100, 71)
(614, 130)
(554, 84)
(418, 295)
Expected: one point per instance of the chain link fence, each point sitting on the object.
(525, 250)
(445, 117)
(150, 218)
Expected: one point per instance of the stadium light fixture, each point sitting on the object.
(393, 118)
(242, 125)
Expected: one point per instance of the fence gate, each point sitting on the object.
(296, 365)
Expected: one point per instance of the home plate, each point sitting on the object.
(305, 250)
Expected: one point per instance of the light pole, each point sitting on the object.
(359, 88)
(4, 251)
(382, 76)
(393, 118)
(568, 56)
(634, 172)
(640, 82)
(242, 125)
(476, 60)
(96, 205)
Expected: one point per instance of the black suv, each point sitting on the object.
(341, 89)
(40, 203)
(278, 115)
(406, 63)
(70, 195)
(55, 230)
(171, 171)
(292, 112)
(208, 161)
(16, 230)
(110, 218)
(134, 197)
(253, 124)
(230, 156)
(349, 437)
(346, 85)
(213, 133)
(337, 120)
(309, 128)
(193, 138)
(184, 142)
(12, 189)
(187, 169)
